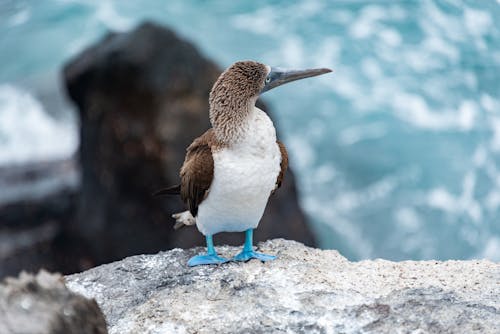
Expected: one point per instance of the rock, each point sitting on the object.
(305, 290)
(142, 97)
(36, 202)
(42, 304)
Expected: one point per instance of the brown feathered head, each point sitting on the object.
(241, 81)
(234, 93)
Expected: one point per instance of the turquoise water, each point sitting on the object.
(397, 152)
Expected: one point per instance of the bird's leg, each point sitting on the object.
(210, 258)
(248, 253)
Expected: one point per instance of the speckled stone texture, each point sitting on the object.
(42, 304)
(305, 290)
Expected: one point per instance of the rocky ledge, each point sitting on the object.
(304, 290)
(42, 304)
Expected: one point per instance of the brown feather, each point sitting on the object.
(198, 170)
(232, 97)
(283, 164)
(173, 190)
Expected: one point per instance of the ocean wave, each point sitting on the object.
(396, 151)
(28, 133)
(414, 109)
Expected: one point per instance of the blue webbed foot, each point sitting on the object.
(210, 257)
(199, 260)
(248, 255)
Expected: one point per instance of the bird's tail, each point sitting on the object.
(181, 218)
(173, 190)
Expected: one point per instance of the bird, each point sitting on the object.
(231, 170)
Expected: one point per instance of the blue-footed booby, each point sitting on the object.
(231, 170)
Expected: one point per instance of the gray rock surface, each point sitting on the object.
(42, 304)
(305, 290)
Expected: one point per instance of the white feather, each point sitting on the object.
(244, 176)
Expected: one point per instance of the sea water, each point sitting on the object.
(397, 152)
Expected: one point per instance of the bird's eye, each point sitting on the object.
(268, 80)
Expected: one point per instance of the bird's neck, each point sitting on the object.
(229, 119)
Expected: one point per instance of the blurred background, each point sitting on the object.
(396, 154)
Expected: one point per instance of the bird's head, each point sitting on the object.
(236, 90)
(246, 80)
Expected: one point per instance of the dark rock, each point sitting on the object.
(36, 202)
(142, 98)
(43, 305)
(304, 290)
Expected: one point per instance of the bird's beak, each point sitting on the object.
(278, 76)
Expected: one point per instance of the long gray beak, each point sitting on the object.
(278, 76)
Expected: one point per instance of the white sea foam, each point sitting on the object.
(324, 173)
(408, 218)
(420, 60)
(492, 200)
(262, 22)
(105, 16)
(343, 227)
(477, 22)
(293, 52)
(440, 46)
(480, 156)
(20, 17)
(484, 161)
(397, 13)
(299, 147)
(109, 16)
(309, 8)
(328, 53)
(495, 140)
(414, 109)
(489, 103)
(391, 37)
(342, 16)
(28, 133)
(437, 23)
(335, 212)
(350, 200)
(355, 134)
(345, 84)
(371, 68)
(367, 23)
(491, 249)
(442, 199)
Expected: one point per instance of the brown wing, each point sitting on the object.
(197, 171)
(284, 163)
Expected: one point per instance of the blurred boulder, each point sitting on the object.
(142, 97)
(36, 202)
(42, 304)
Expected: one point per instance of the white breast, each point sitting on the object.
(244, 176)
